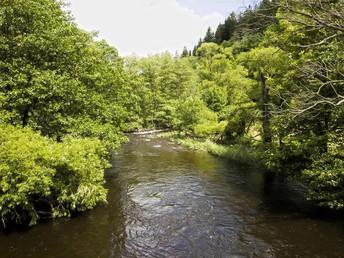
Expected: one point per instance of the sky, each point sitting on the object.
(144, 27)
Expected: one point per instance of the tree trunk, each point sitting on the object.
(26, 116)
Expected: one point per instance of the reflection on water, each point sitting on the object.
(167, 201)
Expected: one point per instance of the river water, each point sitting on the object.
(167, 201)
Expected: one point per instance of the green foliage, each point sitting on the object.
(209, 129)
(275, 81)
(209, 36)
(191, 112)
(79, 177)
(214, 96)
(256, 19)
(226, 30)
(239, 152)
(270, 78)
(278, 80)
(291, 155)
(70, 96)
(247, 43)
(156, 82)
(42, 178)
(326, 180)
(52, 73)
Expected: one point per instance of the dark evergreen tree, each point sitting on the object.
(209, 36)
(194, 51)
(225, 31)
(219, 33)
(185, 52)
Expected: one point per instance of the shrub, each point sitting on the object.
(326, 180)
(42, 178)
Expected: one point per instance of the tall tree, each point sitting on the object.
(185, 52)
(209, 36)
(265, 65)
(311, 32)
(53, 75)
(64, 89)
(226, 30)
(315, 29)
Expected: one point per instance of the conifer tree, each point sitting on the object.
(225, 31)
(185, 52)
(209, 36)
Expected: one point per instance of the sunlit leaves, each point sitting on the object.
(36, 172)
(55, 79)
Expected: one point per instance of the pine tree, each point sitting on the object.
(226, 30)
(229, 27)
(219, 33)
(185, 52)
(209, 36)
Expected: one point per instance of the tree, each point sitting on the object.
(185, 52)
(42, 178)
(209, 36)
(315, 29)
(226, 30)
(256, 19)
(55, 76)
(213, 64)
(265, 65)
(158, 81)
(311, 103)
(60, 112)
(310, 31)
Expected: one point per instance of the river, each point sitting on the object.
(167, 201)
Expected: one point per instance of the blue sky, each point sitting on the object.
(149, 26)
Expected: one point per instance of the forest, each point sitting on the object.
(269, 81)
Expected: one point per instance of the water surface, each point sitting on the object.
(167, 201)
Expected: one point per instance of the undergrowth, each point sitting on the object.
(236, 152)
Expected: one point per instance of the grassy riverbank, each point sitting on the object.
(237, 152)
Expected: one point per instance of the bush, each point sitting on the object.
(192, 112)
(238, 152)
(326, 180)
(209, 129)
(42, 178)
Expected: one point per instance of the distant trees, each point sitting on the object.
(272, 78)
(162, 80)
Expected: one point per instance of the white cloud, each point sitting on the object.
(225, 7)
(143, 26)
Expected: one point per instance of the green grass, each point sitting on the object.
(237, 152)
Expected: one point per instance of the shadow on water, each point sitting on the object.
(167, 201)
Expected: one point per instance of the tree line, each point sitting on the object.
(270, 78)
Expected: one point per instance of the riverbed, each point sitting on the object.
(165, 200)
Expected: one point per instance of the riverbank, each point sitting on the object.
(238, 152)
